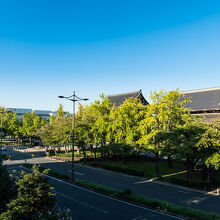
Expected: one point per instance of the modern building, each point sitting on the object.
(205, 103)
(118, 99)
(21, 111)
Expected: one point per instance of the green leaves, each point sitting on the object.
(165, 112)
(214, 160)
(6, 187)
(31, 124)
(35, 199)
(124, 122)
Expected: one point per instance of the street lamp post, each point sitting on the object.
(74, 99)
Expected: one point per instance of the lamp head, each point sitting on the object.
(60, 96)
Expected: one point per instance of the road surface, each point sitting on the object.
(141, 186)
(85, 204)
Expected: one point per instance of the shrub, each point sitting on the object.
(117, 168)
(7, 187)
(34, 200)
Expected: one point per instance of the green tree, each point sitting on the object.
(165, 112)
(101, 112)
(58, 133)
(31, 124)
(12, 124)
(35, 199)
(185, 140)
(84, 122)
(194, 141)
(209, 144)
(125, 121)
(7, 188)
(63, 130)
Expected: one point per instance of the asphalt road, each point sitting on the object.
(85, 204)
(176, 195)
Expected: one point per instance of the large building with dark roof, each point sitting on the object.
(118, 99)
(205, 102)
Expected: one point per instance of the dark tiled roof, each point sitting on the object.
(120, 98)
(204, 99)
(209, 117)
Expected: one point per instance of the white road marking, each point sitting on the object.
(79, 173)
(128, 176)
(70, 171)
(121, 201)
(81, 203)
(196, 200)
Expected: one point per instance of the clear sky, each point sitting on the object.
(50, 48)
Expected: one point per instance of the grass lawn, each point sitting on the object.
(176, 174)
(149, 167)
(69, 154)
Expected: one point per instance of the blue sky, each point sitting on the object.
(50, 48)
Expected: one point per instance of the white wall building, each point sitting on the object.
(21, 111)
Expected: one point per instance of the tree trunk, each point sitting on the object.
(101, 155)
(31, 141)
(84, 154)
(157, 165)
(208, 173)
(170, 165)
(189, 171)
(94, 150)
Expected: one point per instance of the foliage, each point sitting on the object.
(164, 127)
(84, 121)
(125, 121)
(118, 168)
(12, 124)
(195, 142)
(7, 188)
(59, 131)
(31, 124)
(35, 199)
(100, 111)
(210, 145)
(115, 150)
(164, 114)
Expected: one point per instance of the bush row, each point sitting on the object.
(118, 168)
(173, 179)
(152, 203)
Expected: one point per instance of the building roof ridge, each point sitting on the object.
(128, 93)
(201, 90)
